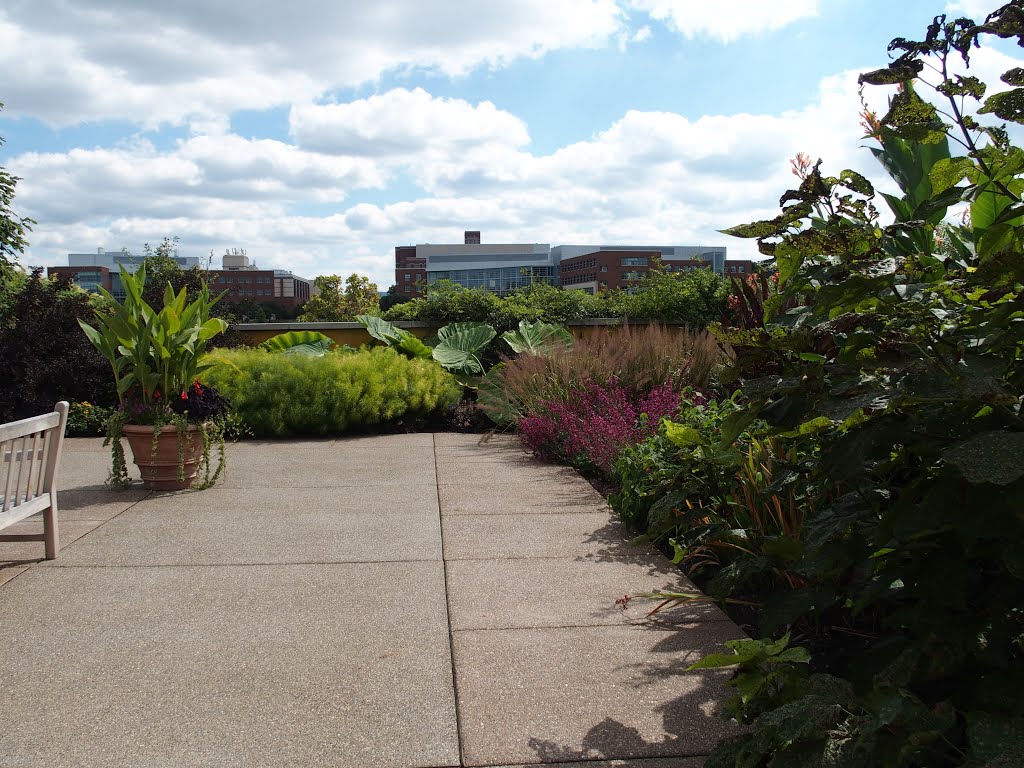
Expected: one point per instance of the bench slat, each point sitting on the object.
(16, 429)
(23, 510)
(29, 474)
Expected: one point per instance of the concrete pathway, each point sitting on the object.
(405, 600)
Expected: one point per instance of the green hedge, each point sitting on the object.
(694, 298)
(286, 395)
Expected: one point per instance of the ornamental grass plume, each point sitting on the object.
(638, 359)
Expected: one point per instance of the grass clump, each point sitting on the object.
(636, 359)
(291, 395)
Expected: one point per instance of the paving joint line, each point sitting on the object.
(238, 565)
(448, 609)
(87, 533)
(624, 625)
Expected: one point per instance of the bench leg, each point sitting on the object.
(51, 535)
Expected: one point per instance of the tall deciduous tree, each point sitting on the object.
(13, 228)
(342, 299)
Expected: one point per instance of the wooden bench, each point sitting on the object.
(29, 457)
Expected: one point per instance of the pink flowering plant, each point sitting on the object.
(589, 429)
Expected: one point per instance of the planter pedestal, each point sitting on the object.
(159, 468)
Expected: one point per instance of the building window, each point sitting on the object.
(604, 267)
(740, 268)
(633, 261)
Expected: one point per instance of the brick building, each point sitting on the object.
(410, 271)
(506, 267)
(242, 280)
(739, 267)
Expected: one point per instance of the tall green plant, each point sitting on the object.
(160, 353)
(903, 361)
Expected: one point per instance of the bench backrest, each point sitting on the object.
(29, 455)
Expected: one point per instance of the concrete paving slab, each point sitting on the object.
(445, 441)
(268, 525)
(559, 695)
(382, 460)
(239, 666)
(85, 465)
(506, 594)
(549, 497)
(79, 504)
(25, 552)
(594, 535)
(486, 472)
(8, 572)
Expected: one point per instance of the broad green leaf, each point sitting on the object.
(97, 338)
(996, 239)
(458, 351)
(682, 435)
(1007, 105)
(382, 330)
(991, 457)
(316, 349)
(996, 741)
(538, 338)
(719, 660)
(412, 346)
(284, 341)
(453, 329)
(949, 172)
(986, 208)
(493, 399)
(893, 74)
(789, 260)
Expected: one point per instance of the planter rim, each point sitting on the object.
(150, 428)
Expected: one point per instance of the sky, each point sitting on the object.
(319, 134)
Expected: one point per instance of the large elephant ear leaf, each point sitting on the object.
(454, 329)
(413, 346)
(311, 343)
(382, 330)
(537, 338)
(493, 399)
(458, 351)
(316, 349)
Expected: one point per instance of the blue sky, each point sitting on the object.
(319, 134)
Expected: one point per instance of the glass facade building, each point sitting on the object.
(497, 279)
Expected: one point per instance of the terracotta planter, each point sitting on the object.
(159, 469)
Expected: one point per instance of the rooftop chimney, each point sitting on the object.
(472, 237)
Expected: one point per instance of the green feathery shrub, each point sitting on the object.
(288, 395)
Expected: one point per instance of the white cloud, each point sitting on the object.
(974, 9)
(403, 123)
(726, 22)
(66, 61)
(203, 177)
(649, 177)
(641, 35)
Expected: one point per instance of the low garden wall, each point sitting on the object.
(354, 334)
